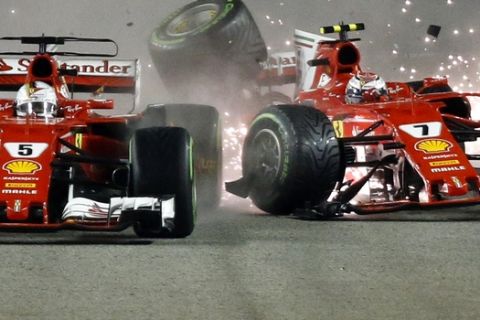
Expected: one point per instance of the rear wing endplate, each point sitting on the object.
(306, 46)
(292, 67)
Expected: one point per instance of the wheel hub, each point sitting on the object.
(267, 153)
(193, 20)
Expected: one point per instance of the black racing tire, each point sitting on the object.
(207, 34)
(292, 157)
(161, 163)
(57, 194)
(203, 124)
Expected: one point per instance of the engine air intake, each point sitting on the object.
(42, 68)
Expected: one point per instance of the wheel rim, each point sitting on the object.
(193, 19)
(268, 155)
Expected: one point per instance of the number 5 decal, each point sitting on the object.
(25, 149)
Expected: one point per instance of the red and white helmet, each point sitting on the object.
(365, 87)
(36, 99)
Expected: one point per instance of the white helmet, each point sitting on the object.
(38, 99)
(365, 87)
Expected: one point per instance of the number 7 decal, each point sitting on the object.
(423, 130)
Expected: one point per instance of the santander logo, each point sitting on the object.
(97, 67)
(85, 67)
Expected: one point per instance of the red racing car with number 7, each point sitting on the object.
(353, 143)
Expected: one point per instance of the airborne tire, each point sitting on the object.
(161, 164)
(292, 156)
(207, 35)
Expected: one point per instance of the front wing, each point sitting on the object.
(119, 214)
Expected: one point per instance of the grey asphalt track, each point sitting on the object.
(242, 264)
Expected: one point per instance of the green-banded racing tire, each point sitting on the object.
(203, 124)
(291, 156)
(161, 163)
(206, 35)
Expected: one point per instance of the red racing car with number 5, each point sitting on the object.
(63, 165)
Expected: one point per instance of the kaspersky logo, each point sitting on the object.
(22, 167)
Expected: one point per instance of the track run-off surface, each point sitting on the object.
(243, 264)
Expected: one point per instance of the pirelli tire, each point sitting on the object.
(291, 156)
(161, 163)
(204, 125)
(207, 34)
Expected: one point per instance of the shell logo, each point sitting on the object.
(433, 146)
(22, 167)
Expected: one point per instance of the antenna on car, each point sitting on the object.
(343, 29)
(42, 46)
(44, 41)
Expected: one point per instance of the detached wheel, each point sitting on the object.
(162, 164)
(292, 157)
(207, 34)
(203, 124)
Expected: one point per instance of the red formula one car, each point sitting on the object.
(64, 166)
(355, 143)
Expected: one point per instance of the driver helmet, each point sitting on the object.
(37, 99)
(365, 87)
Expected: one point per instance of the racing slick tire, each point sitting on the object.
(292, 157)
(203, 124)
(207, 35)
(162, 164)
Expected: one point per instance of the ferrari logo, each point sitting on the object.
(78, 140)
(32, 90)
(17, 206)
(457, 182)
(338, 127)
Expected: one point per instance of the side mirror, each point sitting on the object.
(100, 104)
(318, 62)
